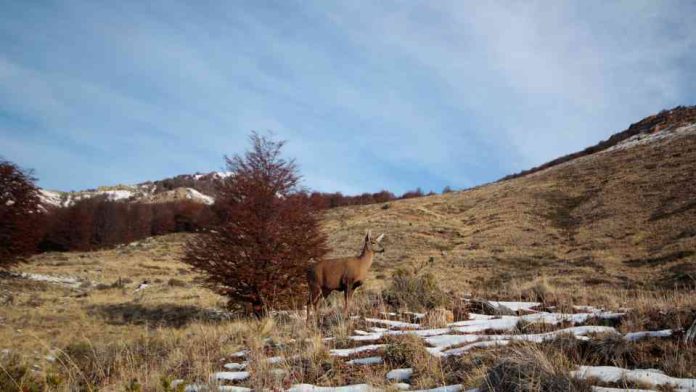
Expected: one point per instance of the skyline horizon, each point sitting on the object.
(398, 194)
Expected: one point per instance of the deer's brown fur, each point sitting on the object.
(341, 274)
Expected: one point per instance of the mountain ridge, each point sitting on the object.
(660, 122)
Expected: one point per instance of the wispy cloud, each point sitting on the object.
(370, 95)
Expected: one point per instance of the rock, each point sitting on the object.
(485, 307)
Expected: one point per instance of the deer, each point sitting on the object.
(342, 274)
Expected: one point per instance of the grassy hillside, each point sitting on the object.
(624, 216)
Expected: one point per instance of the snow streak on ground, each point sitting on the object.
(478, 332)
(650, 377)
(67, 281)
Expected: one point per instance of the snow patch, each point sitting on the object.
(400, 374)
(347, 352)
(233, 388)
(235, 366)
(646, 138)
(50, 198)
(366, 361)
(508, 323)
(446, 388)
(633, 336)
(393, 324)
(650, 377)
(468, 347)
(230, 376)
(62, 280)
(193, 194)
(443, 342)
(514, 306)
(345, 388)
(274, 360)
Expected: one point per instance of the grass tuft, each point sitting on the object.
(528, 369)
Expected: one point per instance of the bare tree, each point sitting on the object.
(19, 214)
(258, 253)
(411, 194)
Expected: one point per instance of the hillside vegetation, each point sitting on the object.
(600, 248)
(622, 216)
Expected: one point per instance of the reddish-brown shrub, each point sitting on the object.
(258, 253)
(19, 214)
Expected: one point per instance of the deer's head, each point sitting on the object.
(374, 244)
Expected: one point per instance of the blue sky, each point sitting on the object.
(369, 94)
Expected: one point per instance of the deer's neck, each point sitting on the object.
(366, 257)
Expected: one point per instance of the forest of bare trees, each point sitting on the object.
(96, 223)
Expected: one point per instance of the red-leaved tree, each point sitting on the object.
(257, 255)
(19, 214)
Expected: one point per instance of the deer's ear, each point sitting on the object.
(380, 238)
(368, 235)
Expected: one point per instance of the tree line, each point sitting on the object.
(98, 223)
(28, 227)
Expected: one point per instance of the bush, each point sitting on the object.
(89, 366)
(268, 231)
(403, 350)
(415, 291)
(407, 351)
(16, 376)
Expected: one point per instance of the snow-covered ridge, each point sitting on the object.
(199, 187)
(67, 199)
(147, 195)
(666, 135)
(218, 174)
(50, 198)
(647, 138)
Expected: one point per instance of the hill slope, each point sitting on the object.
(624, 214)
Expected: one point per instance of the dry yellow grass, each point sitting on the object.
(165, 332)
(616, 219)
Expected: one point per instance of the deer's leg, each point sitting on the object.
(348, 296)
(314, 296)
(309, 302)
